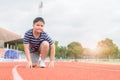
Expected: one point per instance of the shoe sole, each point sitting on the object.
(42, 67)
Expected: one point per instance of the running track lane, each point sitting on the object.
(6, 70)
(71, 71)
(62, 71)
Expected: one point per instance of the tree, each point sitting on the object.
(63, 51)
(58, 54)
(20, 47)
(60, 51)
(87, 53)
(107, 49)
(74, 50)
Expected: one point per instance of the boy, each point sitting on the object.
(37, 44)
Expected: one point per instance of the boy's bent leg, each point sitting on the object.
(44, 48)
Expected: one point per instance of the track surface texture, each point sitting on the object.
(61, 71)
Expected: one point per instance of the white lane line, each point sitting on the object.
(15, 73)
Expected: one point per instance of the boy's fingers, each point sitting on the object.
(51, 64)
(29, 65)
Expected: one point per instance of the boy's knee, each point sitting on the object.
(45, 43)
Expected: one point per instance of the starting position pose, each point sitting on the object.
(37, 44)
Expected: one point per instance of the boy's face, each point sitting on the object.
(38, 27)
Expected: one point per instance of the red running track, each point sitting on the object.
(62, 71)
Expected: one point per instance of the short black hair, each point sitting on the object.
(38, 19)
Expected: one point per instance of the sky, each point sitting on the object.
(84, 21)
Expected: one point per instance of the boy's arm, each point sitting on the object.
(52, 52)
(27, 53)
(52, 55)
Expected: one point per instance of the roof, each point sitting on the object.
(6, 35)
